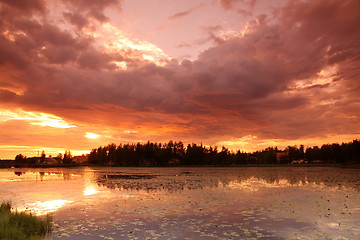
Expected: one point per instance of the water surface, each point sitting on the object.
(190, 203)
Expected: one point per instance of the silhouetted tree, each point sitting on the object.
(43, 155)
(67, 159)
(20, 158)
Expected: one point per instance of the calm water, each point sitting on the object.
(190, 203)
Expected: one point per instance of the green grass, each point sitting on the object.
(21, 225)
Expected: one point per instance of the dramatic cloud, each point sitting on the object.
(287, 75)
(25, 6)
(91, 8)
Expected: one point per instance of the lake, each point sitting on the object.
(190, 203)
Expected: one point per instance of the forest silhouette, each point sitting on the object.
(177, 154)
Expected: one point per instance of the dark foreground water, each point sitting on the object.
(190, 203)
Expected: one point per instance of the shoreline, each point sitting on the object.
(5, 166)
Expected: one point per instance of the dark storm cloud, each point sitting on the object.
(27, 7)
(92, 8)
(76, 19)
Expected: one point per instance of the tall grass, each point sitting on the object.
(21, 225)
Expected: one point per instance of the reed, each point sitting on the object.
(16, 225)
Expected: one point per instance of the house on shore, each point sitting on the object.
(80, 159)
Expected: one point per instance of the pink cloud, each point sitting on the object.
(229, 4)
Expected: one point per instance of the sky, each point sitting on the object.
(244, 74)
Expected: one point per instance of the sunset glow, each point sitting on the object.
(118, 43)
(34, 118)
(92, 135)
(244, 74)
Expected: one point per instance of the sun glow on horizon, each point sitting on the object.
(252, 143)
(32, 151)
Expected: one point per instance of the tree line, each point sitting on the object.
(159, 154)
(175, 153)
(65, 158)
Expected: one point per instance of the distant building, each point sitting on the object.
(54, 160)
(80, 159)
(34, 160)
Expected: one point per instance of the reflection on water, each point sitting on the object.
(251, 179)
(43, 208)
(90, 190)
(192, 203)
(19, 173)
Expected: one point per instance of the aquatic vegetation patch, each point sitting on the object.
(130, 176)
(22, 225)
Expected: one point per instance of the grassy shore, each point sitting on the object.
(21, 225)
